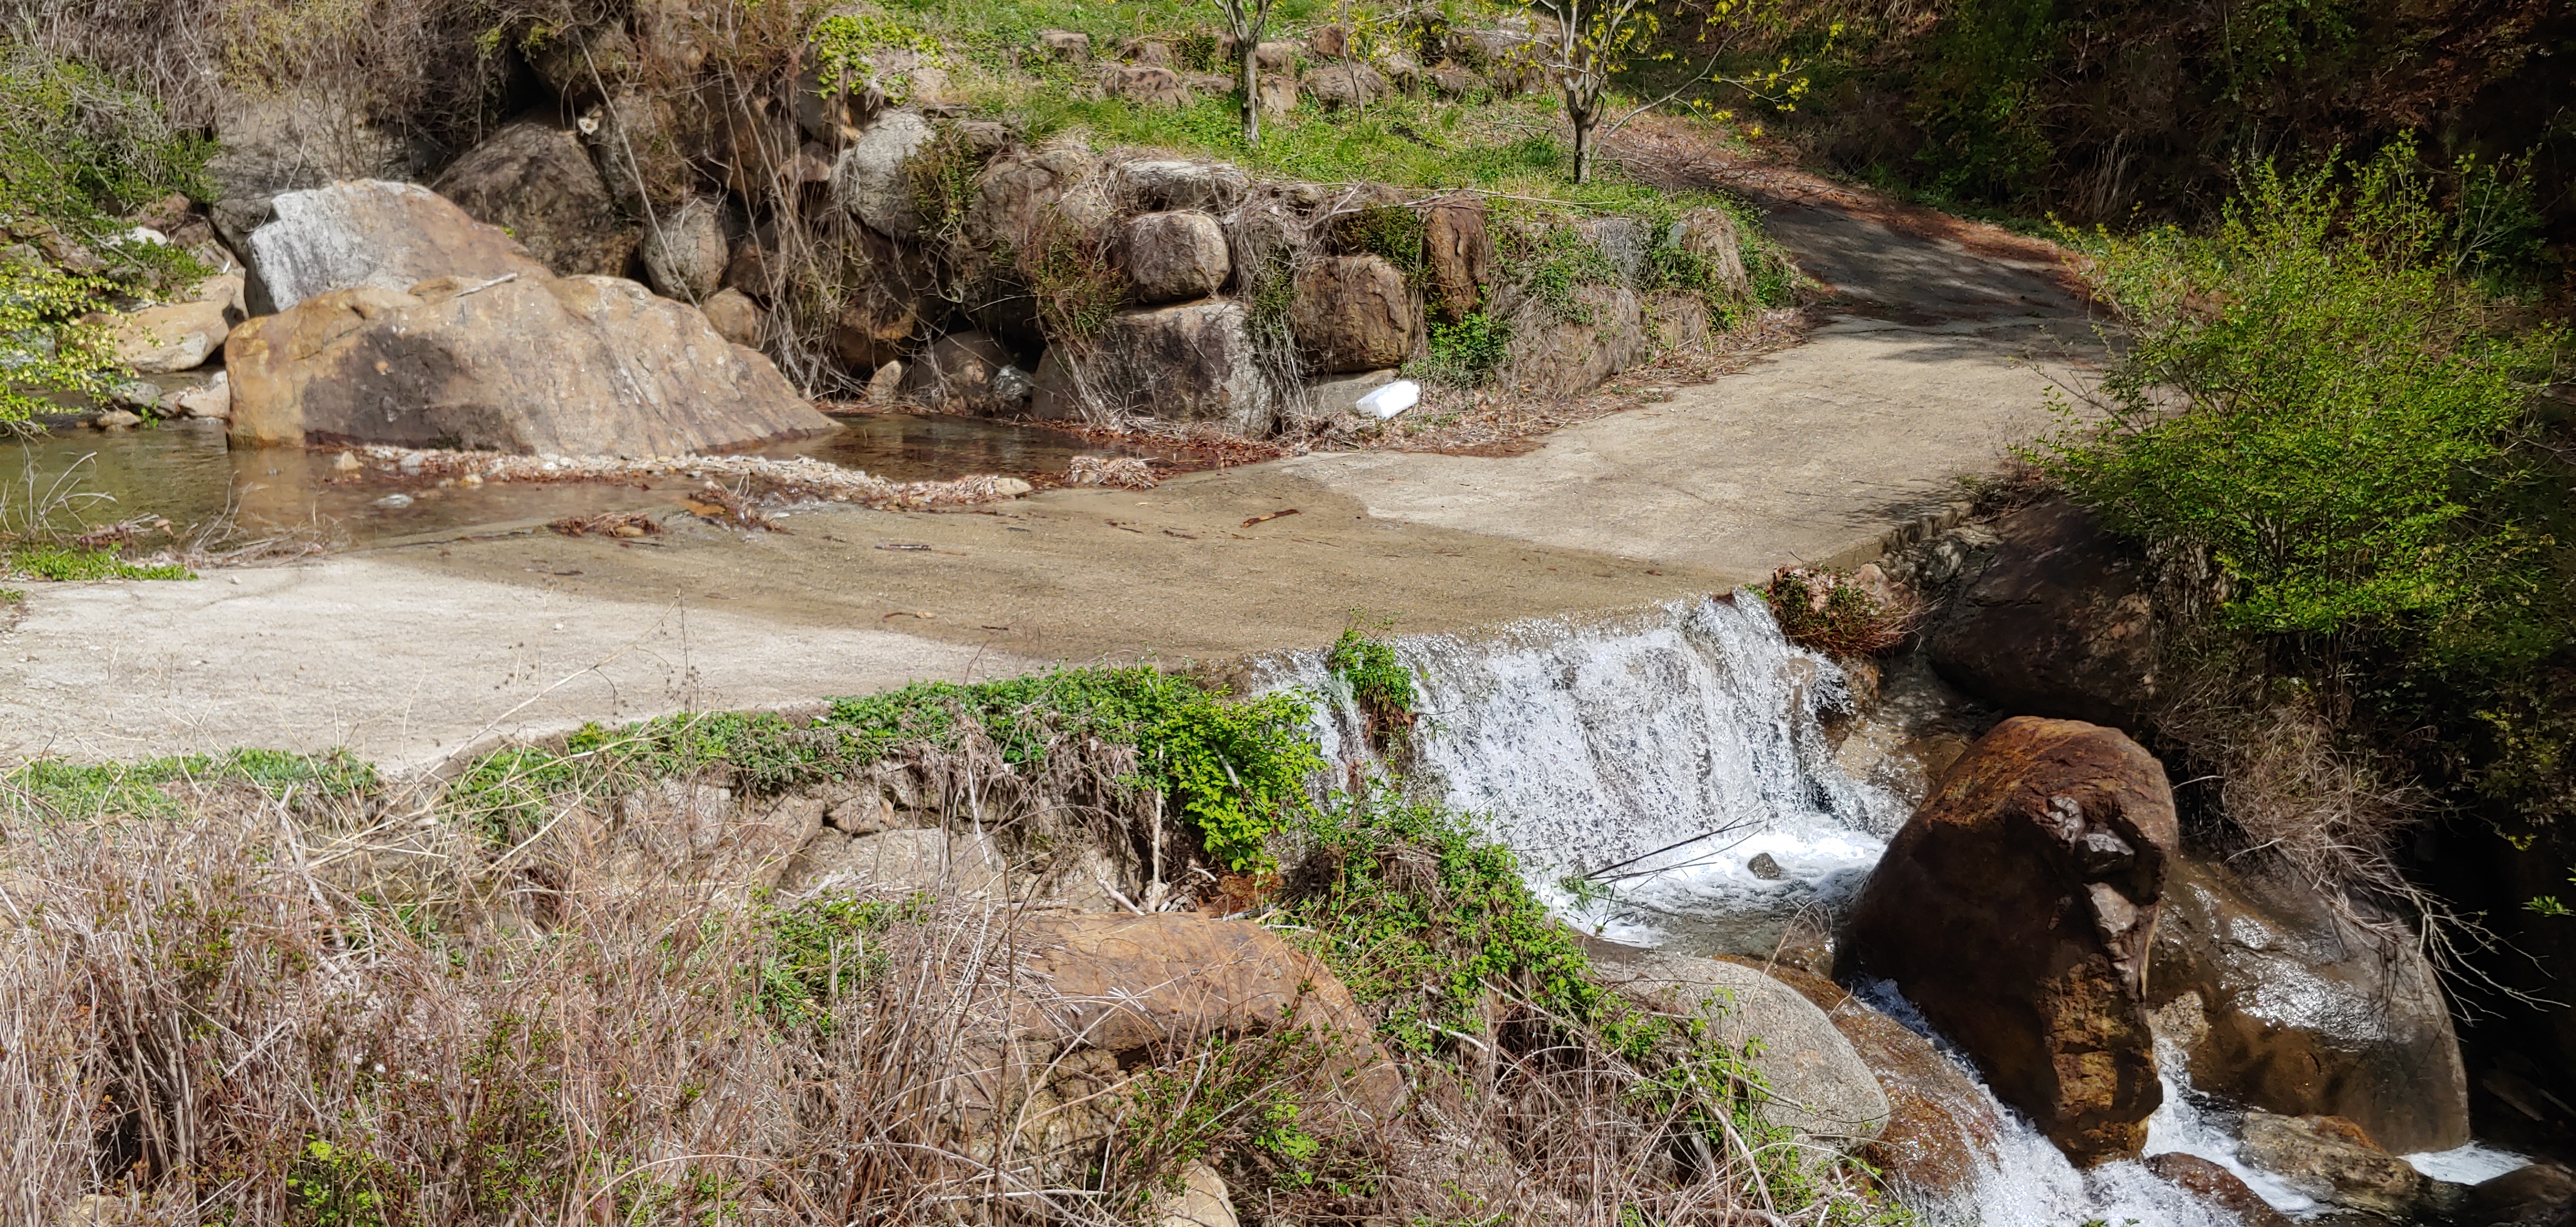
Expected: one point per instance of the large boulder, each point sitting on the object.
(2285, 1003)
(1144, 85)
(1354, 313)
(869, 180)
(370, 233)
(2060, 622)
(536, 181)
(1552, 356)
(267, 144)
(1818, 1085)
(1173, 256)
(1457, 252)
(968, 374)
(2015, 907)
(1189, 362)
(1942, 1131)
(577, 366)
(1022, 192)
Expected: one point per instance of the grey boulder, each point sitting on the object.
(369, 232)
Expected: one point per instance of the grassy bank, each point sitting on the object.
(561, 984)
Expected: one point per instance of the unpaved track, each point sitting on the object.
(1940, 346)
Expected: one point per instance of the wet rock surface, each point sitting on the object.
(2297, 1009)
(2334, 1160)
(2015, 909)
(2218, 1187)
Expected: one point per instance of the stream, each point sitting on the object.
(1684, 758)
(183, 472)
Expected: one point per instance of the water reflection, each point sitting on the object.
(183, 472)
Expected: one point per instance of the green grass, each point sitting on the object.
(140, 789)
(67, 564)
(1234, 769)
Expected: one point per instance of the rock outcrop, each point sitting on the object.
(374, 234)
(1819, 1085)
(868, 179)
(578, 366)
(2289, 1006)
(2015, 908)
(2061, 622)
(536, 181)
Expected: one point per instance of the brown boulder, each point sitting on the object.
(2294, 1008)
(576, 366)
(1278, 97)
(1941, 1130)
(536, 181)
(2217, 1187)
(2060, 623)
(1353, 313)
(367, 232)
(1020, 194)
(1457, 252)
(2015, 908)
(1173, 256)
(1136, 983)
(2541, 1195)
(1329, 42)
(2332, 1159)
(1068, 45)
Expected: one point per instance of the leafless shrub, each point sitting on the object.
(1858, 614)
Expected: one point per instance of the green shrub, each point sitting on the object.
(43, 345)
(1466, 352)
(1380, 684)
(1392, 233)
(78, 149)
(2346, 444)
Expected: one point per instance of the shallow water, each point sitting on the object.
(183, 472)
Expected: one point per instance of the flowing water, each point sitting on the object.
(1670, 779)
(183, 472)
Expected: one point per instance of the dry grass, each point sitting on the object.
(399, 1007)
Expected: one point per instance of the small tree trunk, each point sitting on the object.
(1251, 88)
(1584, 116)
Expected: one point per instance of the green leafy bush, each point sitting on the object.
(78, 148)
(140, 789)
(2346, 439)
(43, 345)
(1466, 352)
(1380, 684)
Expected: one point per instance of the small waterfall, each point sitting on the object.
(1661, 754)
(1680, 757)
